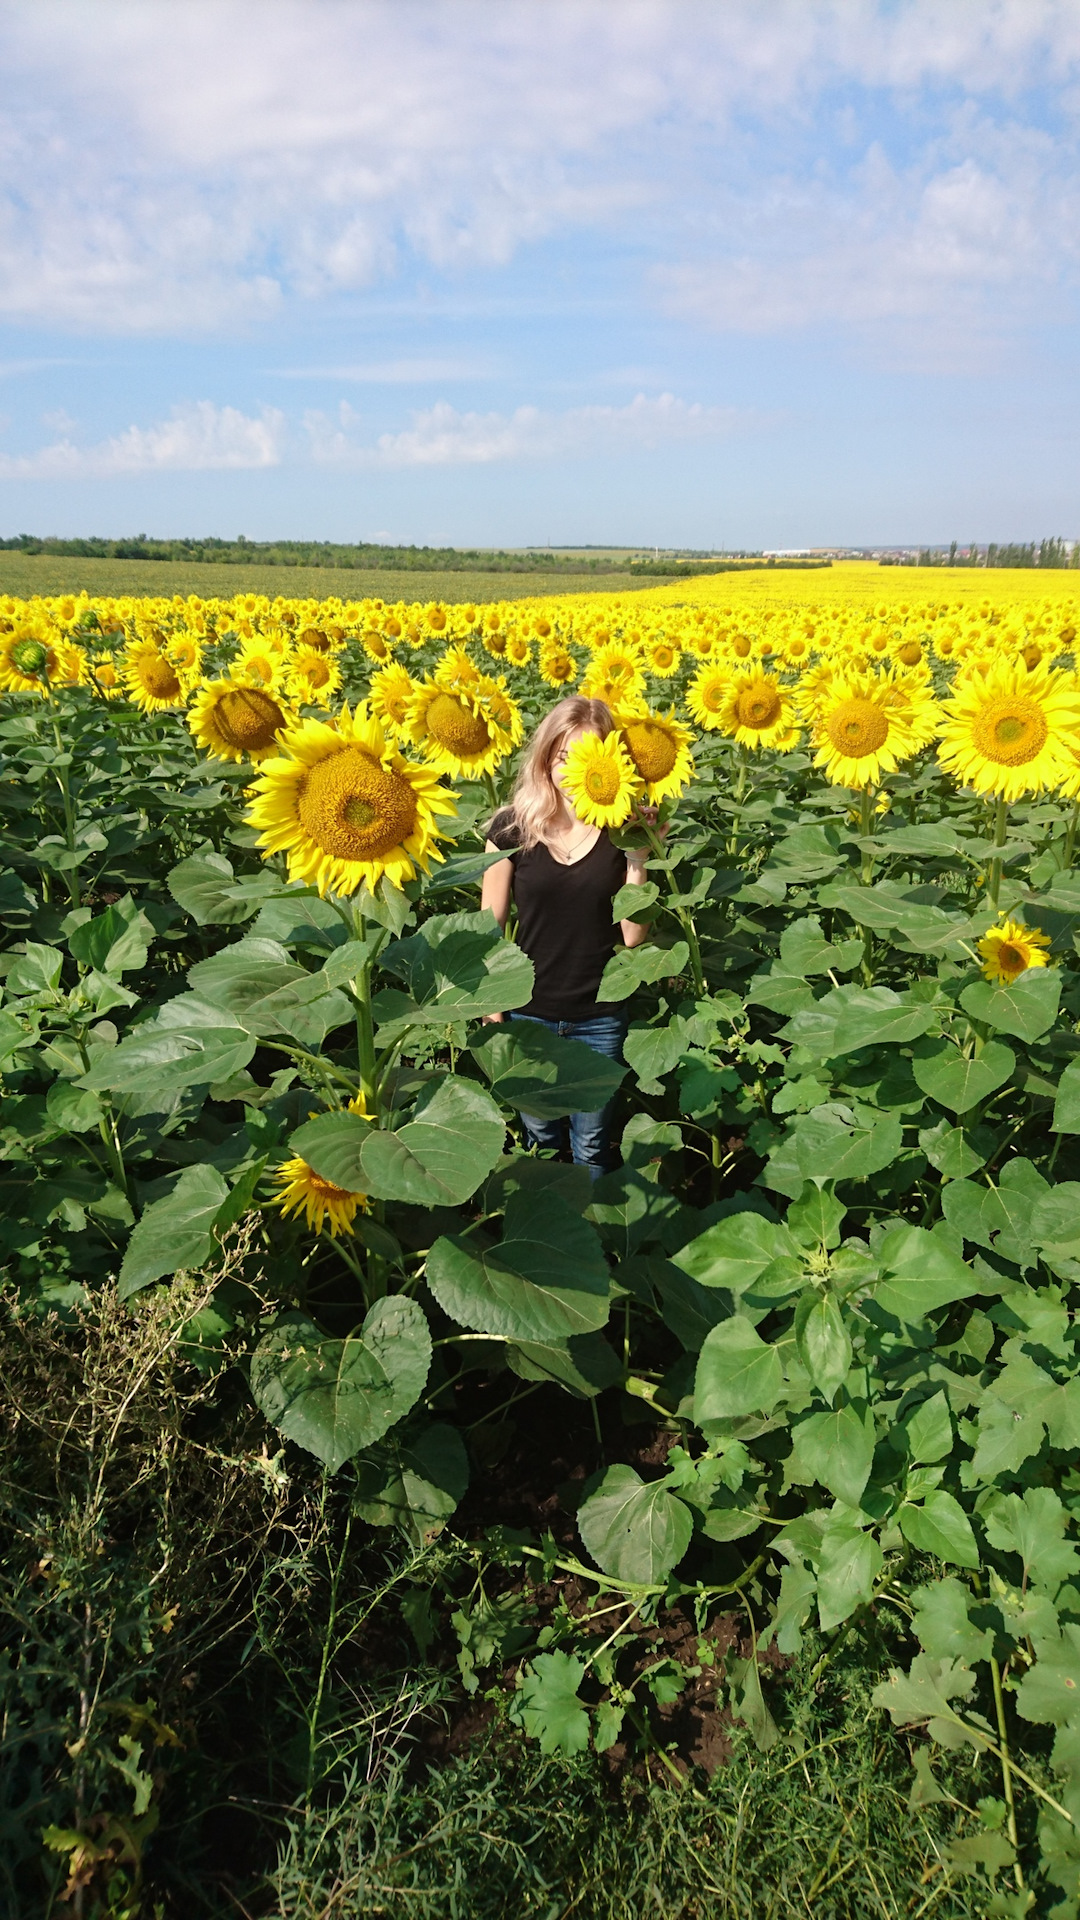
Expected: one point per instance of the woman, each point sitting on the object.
(562, 876)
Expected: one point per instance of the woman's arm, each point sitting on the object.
(495, 895)
(633, 931)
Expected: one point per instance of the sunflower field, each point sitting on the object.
(249, 1096)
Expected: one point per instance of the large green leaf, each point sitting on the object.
(189, 1044)
(737, 1251)
(1067, 1104)
(542, 1073)
(920, 1273)
(830, 1146)
(415, 1483)
(547, 1278)
(115, 941)
(805, 950)
(456, 967)
(836, 1449)
(823, 1342)
(438, 1159)
(1026, 1008)
(206, 887)
(957, 1081)
(174, 1232)
(334, 1396)
(637, 1531)
(239, 975)
(548, 1706)
(876, 1016)
(849, 1562)
(585, 1364)
(632, 967)
(941, 1527)
(737, 1373)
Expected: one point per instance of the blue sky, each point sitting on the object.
(488, 272)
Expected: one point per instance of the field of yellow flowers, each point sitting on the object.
(248, 1089)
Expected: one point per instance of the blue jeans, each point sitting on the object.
(590, 1133)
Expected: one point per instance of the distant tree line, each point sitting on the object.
(1048, 553)
(313, 553)
(744, 565)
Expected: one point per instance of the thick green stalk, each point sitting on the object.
(1000, 828)
(1070, 836)
(365, 1029)
(739, 796)
(1006, 1765)
(63, 776)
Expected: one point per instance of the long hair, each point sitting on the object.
(535, 799)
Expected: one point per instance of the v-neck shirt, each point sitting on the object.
(564, 920)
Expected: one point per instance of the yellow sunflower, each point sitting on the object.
(663, 656)
(457, 731)
(456, 669)
(305, 1191)
(104, 677)
(706, 694)
(659, 749)
(315, 638)
(600, 782)
(859, 736)
(758, 712)
(313, 677)
(518, 650)
(1009, 950)
(557, 666)
(184, 651)
(344, 806)
(502, 707)
(388, 697)
(1012, 730)
(153, 681)
(376, 645)
(72, 666)
(28, 661)
(237, 723)
(258, 666)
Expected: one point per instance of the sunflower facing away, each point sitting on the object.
(659, 749)
(758, 712)
(305, 1191)
(457, 731)
(600, 782)
(1009, 950)
(705, 695)
(1012, 730)
(237, 723)
(859, 735)
(344, 807)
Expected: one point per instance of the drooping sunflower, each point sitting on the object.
(600, 781)
(313, 677)
(153, 681)
(758, 712)
(457, 731)
(237, 723)
(706, 693)
(305, 1191)
(1009, 950)
(1012, 730)
(388, 697)
(344, 806)
(859, 735)
(659, 749)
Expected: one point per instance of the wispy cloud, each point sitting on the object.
(440, 436)
(197, 437)
(393, 373)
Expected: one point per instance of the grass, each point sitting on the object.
(24, 574)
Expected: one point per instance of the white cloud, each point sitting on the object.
(196, 437)
(183, 167)
(440, 436)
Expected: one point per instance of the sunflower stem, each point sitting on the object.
(1070, 836)
(738, 798)
(866, 832)
(1000, 828)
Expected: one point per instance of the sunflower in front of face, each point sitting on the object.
(759, 712)
(659, 750)
(235, 722)
(1012, 730)
(600, 782)
(1009, 950)
(345, 807)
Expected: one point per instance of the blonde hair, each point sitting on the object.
(534, 802)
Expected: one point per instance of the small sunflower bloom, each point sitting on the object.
(1009, 950)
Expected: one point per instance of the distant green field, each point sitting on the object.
(28, 573)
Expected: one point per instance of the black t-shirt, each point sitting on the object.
(564, 920)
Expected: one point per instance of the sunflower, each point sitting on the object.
(345, 807)
(659, 748)
(1009, 950)
(458, 669)
(557, 666)
(317, 639)
(184, 651)
(237, 723)
(457, 731)
(258, 666)
(376, 645)
(104, 677)
(859, 735)
(664, 657)
(313, 677)
(705, 695)
(600, 782)
(72, 666)
(153, 681)
(436, 619)
(388, 697)
(518, 650)
(502, 707)
(1012, 730)
(28, 661)
(305, 1191)
(614, 675)
(758, 712)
